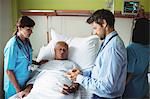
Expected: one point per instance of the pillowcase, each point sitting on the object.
(82, 51)
(47, 52)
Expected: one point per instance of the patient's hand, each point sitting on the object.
(74, 87)
(70, 89)
(65, 89)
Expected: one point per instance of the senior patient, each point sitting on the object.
(52, 75)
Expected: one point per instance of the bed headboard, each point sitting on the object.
(74, 26)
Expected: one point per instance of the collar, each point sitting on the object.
(19, 41)
(109, 36)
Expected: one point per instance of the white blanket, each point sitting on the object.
(50, 80)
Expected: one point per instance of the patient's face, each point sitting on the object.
(61, 52)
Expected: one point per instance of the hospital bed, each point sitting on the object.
(82, 50)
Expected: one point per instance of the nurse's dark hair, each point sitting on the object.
(24, 21)
(101, 14)
(141, 31)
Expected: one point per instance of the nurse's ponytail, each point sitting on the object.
(24, 21)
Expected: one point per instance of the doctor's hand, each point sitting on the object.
(73, 74)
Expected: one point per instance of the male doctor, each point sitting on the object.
(106, 80)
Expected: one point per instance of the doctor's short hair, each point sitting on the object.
(141, 32)
(101, 14)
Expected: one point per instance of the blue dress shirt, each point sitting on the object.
(107, 78)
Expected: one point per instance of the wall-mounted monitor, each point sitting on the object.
(130, 7)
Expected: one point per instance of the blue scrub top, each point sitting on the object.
(17, 57)
(138, 62)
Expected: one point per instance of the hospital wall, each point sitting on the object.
(1, 57)
(18, 5)
(71, 26)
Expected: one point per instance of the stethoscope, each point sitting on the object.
(25, 52)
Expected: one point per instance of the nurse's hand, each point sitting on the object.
(39, 63)
(21, 94)
(43, 62)
(27, 89)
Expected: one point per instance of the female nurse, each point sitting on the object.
(18, 57)
(138, 52)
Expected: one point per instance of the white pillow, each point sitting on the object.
(47, 52)
(82, 51)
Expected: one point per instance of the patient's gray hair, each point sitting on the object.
(61, 43)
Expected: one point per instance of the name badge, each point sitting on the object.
(32, 67)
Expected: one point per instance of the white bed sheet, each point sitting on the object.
(49, 83)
